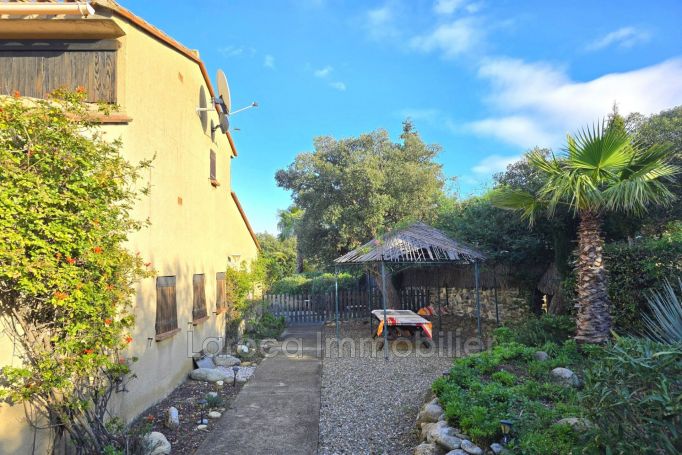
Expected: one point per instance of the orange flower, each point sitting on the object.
(80, 89)
(70, 260)
(110, 287)
(128, 339)
(17, 94)
(150, 418)
(147, 264)
(88, 351)
(97, 249)
(107, 321)
(59, 295)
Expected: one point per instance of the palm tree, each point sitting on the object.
(603, 169)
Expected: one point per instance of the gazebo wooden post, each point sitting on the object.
(478, 298)
(336, 303)
(383, 295)
(369, 301)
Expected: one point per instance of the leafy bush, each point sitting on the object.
(66, 279)
(267, 326)
(313, 283)
(538, 331)
(634, 272)
(633, 393)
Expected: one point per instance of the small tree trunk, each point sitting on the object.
(392, 295)
(594, 319)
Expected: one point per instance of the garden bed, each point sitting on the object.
(186, 438)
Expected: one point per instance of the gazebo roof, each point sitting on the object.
(417, 243)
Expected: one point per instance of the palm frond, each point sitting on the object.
(665, 323)
(600, 151)
(519, 200)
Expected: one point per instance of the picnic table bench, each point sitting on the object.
(402, 323)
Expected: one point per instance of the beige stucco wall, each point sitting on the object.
(195, 227)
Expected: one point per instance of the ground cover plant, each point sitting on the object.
(630, 399)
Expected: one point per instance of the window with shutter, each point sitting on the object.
(199, 304)
(35, 68)
(212, 170)
(166, 308)
(220, 304)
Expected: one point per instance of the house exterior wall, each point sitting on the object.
(195, 227)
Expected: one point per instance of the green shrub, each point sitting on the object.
(633, 393)
(538, 331)
(267, 326)
(634, 272)
(311, 283)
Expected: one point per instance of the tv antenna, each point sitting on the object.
(224, 101)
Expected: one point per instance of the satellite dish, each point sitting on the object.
(224, 92)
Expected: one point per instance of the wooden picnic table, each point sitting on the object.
(402, 323)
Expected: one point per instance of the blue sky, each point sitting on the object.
(487, 80)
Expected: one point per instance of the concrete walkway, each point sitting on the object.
(278, 410)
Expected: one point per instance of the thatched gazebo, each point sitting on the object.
(417, 245)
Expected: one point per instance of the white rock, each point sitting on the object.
(541, 356)
(212, 395)
(209, 375)
(445, 437)
(566, 377)
(471, 448)
(202, 427)
(173, 418)
(155, 443)
(576, 423)
(427, 449)
(214, 415)
(456, 452)
(426, 429)
(497, 448)
(226, 360)
(430, 413)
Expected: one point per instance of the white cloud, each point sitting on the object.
(524, 132)
(452, 39)
(493, 163)
(379, 22)
(624, 37)
(446, 7)
(237, 51)
(338, 85)
(323, 72)
(269, 61)
(537, 103)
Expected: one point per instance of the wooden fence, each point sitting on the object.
(353, 304)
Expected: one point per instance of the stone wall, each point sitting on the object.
(512, 306)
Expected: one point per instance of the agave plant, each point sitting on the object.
(602, 169)
(665, 322)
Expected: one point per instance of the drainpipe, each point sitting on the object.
(50, 9)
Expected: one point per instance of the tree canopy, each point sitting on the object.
(353, 189)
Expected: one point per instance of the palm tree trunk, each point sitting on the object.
(594, 319)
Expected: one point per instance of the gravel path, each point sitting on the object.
(368, 405)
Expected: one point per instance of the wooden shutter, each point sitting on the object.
(213, 166)
(37, 67)
(199, 304)
(220, 304)
(166, 306)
